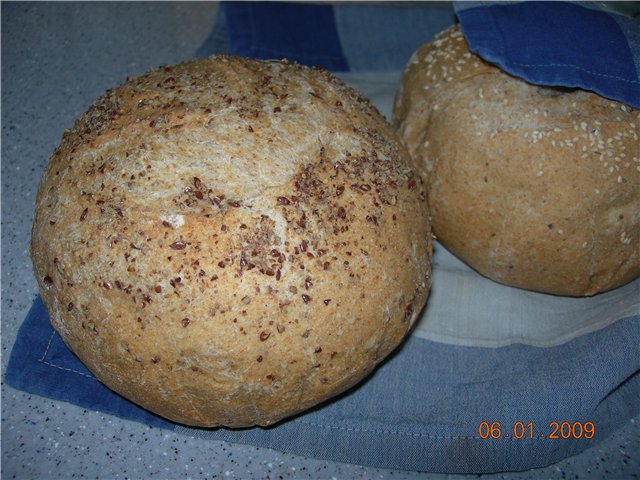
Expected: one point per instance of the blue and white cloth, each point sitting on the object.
(578, 44)
(422, 409)
(480, 352)
(339, 38)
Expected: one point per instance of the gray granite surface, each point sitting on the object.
(56, 59)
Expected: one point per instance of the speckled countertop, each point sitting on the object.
(56, 59)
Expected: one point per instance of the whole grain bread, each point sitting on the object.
(231, 241)
(535, 187)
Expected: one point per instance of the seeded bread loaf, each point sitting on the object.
(231, 241)
(534, 187)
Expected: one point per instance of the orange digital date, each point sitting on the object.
(557, 430)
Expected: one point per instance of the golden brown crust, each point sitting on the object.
(230, 241)
(534, 187)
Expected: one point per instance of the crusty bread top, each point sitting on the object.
(230, 241)
(444, 70)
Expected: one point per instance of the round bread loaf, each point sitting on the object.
(230, 241)
(534, 187)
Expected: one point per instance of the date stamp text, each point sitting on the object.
(520, 430)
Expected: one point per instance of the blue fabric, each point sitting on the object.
(558, 44)
(335, 37)
(421, 408)
(274, 30)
